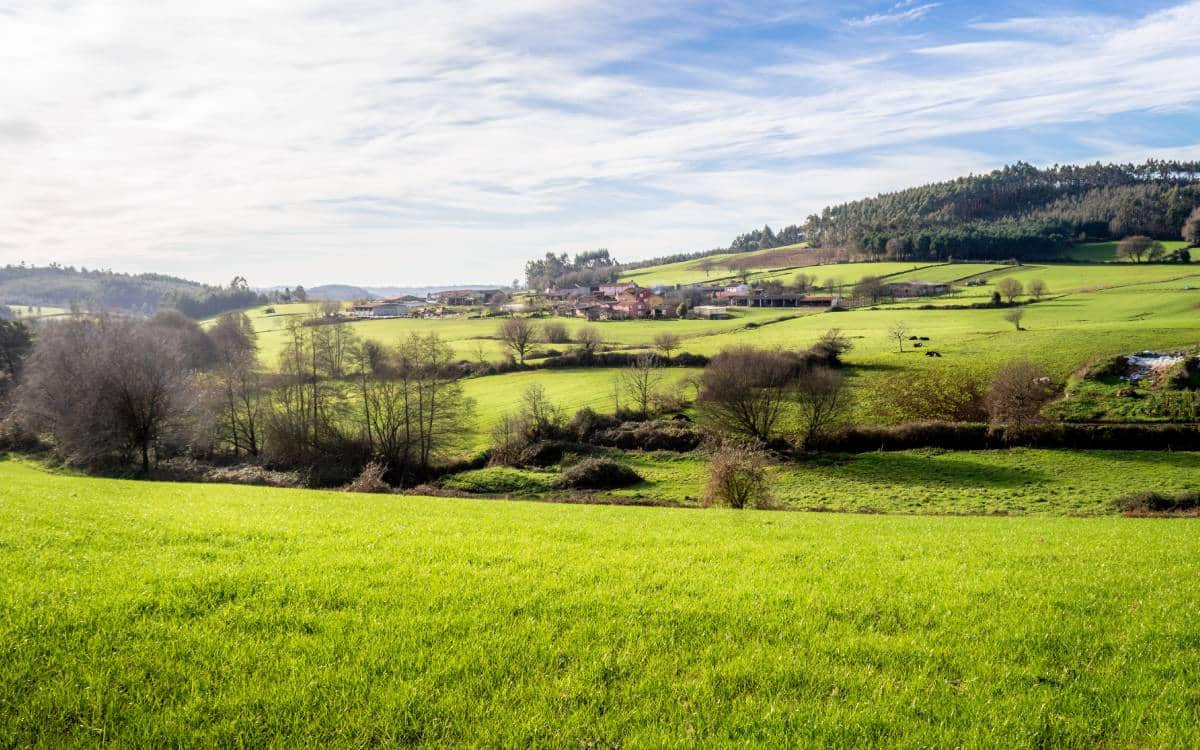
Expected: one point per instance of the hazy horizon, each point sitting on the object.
(324, 142)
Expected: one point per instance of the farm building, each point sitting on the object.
(917, 288)
(379, 310)
(711, 312)
(756, 299)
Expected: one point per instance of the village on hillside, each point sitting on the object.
(629, 301)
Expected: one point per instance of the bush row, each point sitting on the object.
(974, 436)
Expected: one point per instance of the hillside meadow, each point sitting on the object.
(1016, 481)
(152, 614)
(1092, 312)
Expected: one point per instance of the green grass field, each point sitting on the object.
(1094, 311)
(1106, 252)
(139, 614)
(1018, 481)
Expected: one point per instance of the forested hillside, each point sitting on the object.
(66, 286)
(1020, 211)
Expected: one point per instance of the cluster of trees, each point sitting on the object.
(585, 269)
(1142, 249)
(119, 391)
(755, 394)
(209, 301)
(1099, 200)
(765, 239)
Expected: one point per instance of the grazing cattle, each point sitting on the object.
(932, 353)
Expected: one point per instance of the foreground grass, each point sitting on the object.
(160, 614)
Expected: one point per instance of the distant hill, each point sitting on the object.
(351, 292)
(67, 287)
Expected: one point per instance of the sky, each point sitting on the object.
(441, 142)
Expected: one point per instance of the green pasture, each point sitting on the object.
(152, 615)
(1106, 252)
(496, 395)
(467, 335)
(1092, 312)
(1017, 481)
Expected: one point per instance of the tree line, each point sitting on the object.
(110, 391)
(95, 290)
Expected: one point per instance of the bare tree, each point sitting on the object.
(640, 382)
(666, 343)
(1015, 315)
(15, 344)
(1140, 248)
(1191, 228)
(1038, 289)
(737, 477)
(745, 391)
(239, 383)
(1017, 393)
(823, 402)
(555, 333)
(1009, 288)
(414, 411)
(589, 339)
(899, 332)
(107, 389)
(518, 335)
(872, 288)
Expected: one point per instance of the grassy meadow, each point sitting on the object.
(1017, 481)
(162, 614)
(1092, 312)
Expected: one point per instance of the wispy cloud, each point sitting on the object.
(898, 14)
(423, 142)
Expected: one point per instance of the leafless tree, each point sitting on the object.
(745, 392)
(518, 335)
(823, 402)
(555, 333)
(872, 288)
(413, 408)
(1139, 248)
(640, 382)
(666, 343)
(1017, 393)
(1015, 315)
(1009, 288)
(737, 477)
(1038, 289)
(589, 339)
(899, 332)
(1191, 228)
(106, 389)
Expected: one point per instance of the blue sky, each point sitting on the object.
(425, 142)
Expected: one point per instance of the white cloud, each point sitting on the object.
(900, 13)
(433, 142)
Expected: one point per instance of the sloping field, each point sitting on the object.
(1106, 252)
(140, 614)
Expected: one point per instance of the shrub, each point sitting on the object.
(598, 474)
(555, 333)
(1017, 394)
(659, 435)
(587, 422)
(737, 477)
(496, 480)
(935, 393)
(1137, 503)
(252, 474)
(370, 479)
